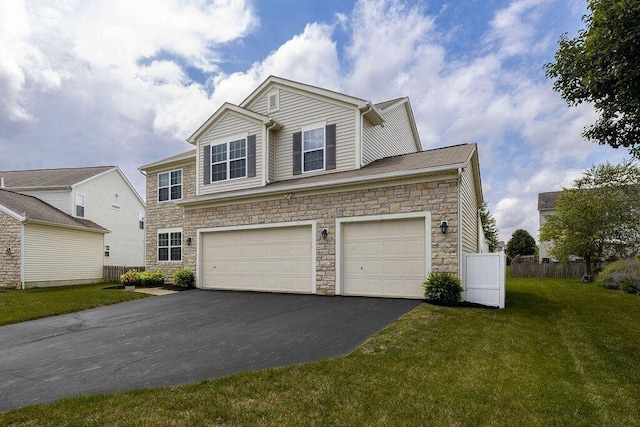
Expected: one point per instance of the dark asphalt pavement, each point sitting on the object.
(178, 339)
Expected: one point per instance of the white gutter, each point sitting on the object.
(72, 227)
(460, 257)
(321, 184)
(22, 245)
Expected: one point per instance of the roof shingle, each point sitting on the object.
(34, 209)
(50, 177)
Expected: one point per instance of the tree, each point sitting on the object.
(489, 227)
(601, 65)
(598, 218)
(521, 243)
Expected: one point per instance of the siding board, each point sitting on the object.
(395, 138)
(470, 221)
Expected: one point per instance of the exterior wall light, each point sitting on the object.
(8, 251)
(443, 227)
(189, 241)
(324, 233)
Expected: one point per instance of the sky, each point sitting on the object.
(119, 82)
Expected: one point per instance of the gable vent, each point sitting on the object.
(273, 101)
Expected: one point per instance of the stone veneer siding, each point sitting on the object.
(439, 197)
(10, 237)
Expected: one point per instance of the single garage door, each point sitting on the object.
(263, 259)
(384, 258)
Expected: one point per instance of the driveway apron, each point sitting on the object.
(178, 339)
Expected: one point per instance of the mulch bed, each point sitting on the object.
(168, 287)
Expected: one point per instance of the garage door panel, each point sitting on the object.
(264, 259)
(384, 258)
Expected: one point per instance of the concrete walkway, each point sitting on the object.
(155, 291)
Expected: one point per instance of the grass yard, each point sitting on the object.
(22, 305)
(562, 353)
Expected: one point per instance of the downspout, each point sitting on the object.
(360, 160)
(268, 148)
(22, 245)
(460, 257)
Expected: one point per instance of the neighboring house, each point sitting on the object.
(43, 246)
(100, 194)
(546, 207)
(301, 189)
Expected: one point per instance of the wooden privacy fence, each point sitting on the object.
(554, 270)
(112, 273)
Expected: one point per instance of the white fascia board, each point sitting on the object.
(323, 184)
(304, 88)
(70, 227)
(11, 213)
(225, 108)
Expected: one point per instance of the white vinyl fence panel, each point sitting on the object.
(485, 279)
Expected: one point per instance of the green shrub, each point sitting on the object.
(442, 288)
(183, 278)
(623, 275)
(152, 278)
(131, 277)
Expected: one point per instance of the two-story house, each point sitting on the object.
(99, 196)
(302, 189)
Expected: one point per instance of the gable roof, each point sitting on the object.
(403, 166)
(228, 107)
(176, 158)
(371, 113)
(547, 201)
(50, 178)
(30, 209)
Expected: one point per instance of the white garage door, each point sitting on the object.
(384, 258)
(264, 259)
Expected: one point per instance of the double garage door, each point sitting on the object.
(378, 258)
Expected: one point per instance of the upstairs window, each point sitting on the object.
(170, 185)
(170, 245)
(80, 205)
(141, 220)
(313, 148)
(229, 160)
(107, 251)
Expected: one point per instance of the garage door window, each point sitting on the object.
(170, 246)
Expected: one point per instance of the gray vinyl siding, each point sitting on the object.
(126, 240)
(54, 254)
(392, 139)
(296, 111)
(470, 222)
(60, 199)
(229, 125)
(272, 157)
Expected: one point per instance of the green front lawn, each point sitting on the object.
(562, 353)
(22, 305)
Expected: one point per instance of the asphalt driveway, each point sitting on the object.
(180, 338)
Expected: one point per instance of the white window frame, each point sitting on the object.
(107, 251)
(315, 126)
(169, 246)
(274, 94)
(170, 185)
(227, 141)
(141, 222)
(79, 198)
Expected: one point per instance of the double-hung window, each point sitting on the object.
(170, 185)
(80, 205)
(229, 160)
(313, 147)
(170, 245)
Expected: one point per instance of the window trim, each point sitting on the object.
(314, 126)
(169, 231)
(76, 205)
(228, 140)
(169, 186)
(107, 251)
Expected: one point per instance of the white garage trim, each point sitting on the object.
(388, 217)
(310, 224)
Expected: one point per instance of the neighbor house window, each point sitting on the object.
(80, 205)
(170, 185)
(141, 220)
(106, 250)
(170, 245)
(313, 147)
(229, 160)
